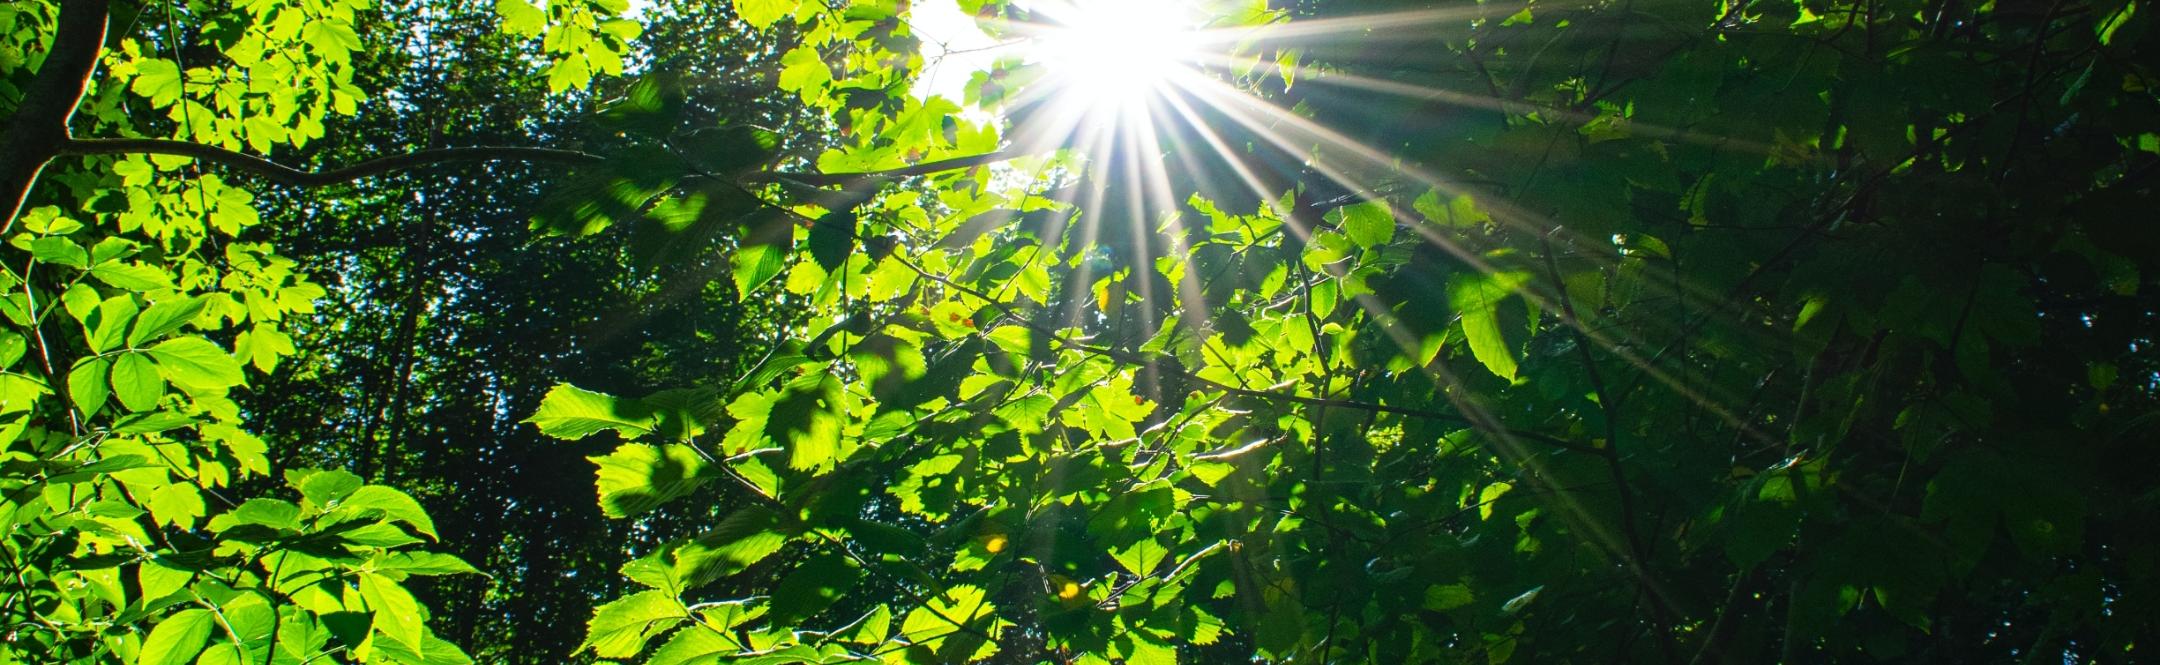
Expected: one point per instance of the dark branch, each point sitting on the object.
(38, 132)
(40, 125)
(425, 158)
(842, 179)
(291, 176)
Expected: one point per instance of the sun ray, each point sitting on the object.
(1108, 79)
(1217, 92)
(1368, 26)
(1319, 77)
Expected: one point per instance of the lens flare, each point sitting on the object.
(1115, 53)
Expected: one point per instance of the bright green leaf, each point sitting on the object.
(1369, 224)
(762, 14)
(570, 412)
(621, 628)
(397, 614)
(1477, 297)
(637, 477)
(135, 381)
(177, 639)
(193, 362)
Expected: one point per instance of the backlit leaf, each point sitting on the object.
(570, 412)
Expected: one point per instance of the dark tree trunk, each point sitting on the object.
(39, 129)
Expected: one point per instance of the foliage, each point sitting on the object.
(1701, 332)
(1638, 331)
(445, 322)
(144, 520)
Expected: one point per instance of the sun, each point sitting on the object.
(1115, 54)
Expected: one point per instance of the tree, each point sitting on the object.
(446, 322)
(144, 521)
(1642, 331)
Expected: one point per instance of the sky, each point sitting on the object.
(943, 28)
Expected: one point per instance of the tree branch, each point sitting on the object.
(40, 125)
(925, 168)
(291, 176)
(38, 132)
(283, 174)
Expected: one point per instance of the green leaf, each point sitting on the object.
(620, 629)
(299, 637)
(694, 645)
(424, 563)
(113, 248)
(832, 240)
(177, 639)
(1146, 650)
(570, 412)
(521, 17)
(1459, 211)
(637, 478)
(394, 506)
(746, 537)
(813, 587)
(86, 384)
(755, 265)
(269, 512)
(157, 80)
(1519, 602)
(48, 220)
(437, 652)
(12, 347)
(873, 628)
(804, 419)
(177, 505)
(159, 580)
(654, 571)
(397, 614)
(152, 423)
(324, 488)
(2115, 21)
(729, 149)
(1477, 296)
(686, 228)
(263, 345)
(18, 393)
(802, 69)
(107, 326)
(1369, 224)
(193, 362)
(571, 73)
(253, 619)
(135, 382)
(1327, 248)
(762, 14)
(1444, 597)
(131, 276)
(164, 317)
(651, 106)
(1212, 472)
(223, 653)
(946, 614)
(1142, 557)
(378, 534)
(60, 251)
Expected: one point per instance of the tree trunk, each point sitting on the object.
(39, 129)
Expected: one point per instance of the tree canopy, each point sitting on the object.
(1688, 331)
